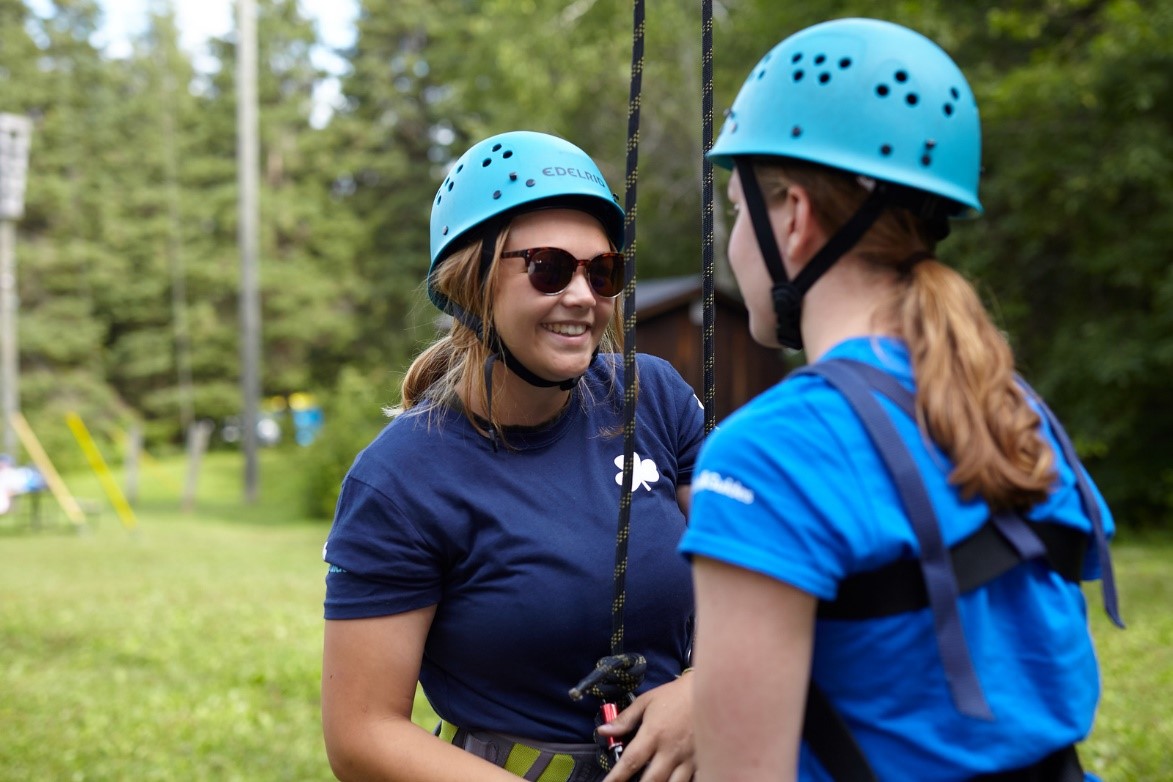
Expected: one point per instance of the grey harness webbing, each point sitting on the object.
(530, 760)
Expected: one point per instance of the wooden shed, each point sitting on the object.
(669, 322)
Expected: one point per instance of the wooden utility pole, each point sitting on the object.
(14, 150)
(247, 165)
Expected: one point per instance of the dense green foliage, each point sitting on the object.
(128, 267)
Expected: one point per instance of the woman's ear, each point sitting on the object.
(805, 235)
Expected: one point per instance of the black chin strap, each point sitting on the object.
(760, 219)
(787, 294)
(491, 233)
(516, 367)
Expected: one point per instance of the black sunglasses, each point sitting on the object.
(550, 270)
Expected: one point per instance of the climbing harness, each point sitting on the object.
(533, 761)
(941, 574)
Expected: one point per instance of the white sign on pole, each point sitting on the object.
(15, 132)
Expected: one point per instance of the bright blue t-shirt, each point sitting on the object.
(791, 486)
(516, 548)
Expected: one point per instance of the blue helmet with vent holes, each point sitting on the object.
(864, 96)
(511, 173)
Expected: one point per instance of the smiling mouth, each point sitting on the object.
(566, 329)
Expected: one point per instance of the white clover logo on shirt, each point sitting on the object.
(644, 472)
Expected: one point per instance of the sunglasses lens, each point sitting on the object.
(605, 273)
(551, 269)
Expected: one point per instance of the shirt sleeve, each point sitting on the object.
(691, 417)
(380, 564)
(680, 412)
(776, 498)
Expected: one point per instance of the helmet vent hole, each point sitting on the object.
(796, 131)
(796, 58)
(439, 198)
(882, 90)
(485, 163)
(799, 74)
(911, 99)
(529, 183)
(926, 160)
(956, 95)
(496, 147)
(496, 194)
(845, 63)
(460, 168)
(507, 154)
(450, 185)
(901, 76)
(761, 74)
(820, 59)
(948, 109)
(824, 78)
(444, 232)
(886, 150)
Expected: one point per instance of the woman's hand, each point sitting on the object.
(664, 746)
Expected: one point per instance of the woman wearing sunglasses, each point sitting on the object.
(474, 541)
(888, 546)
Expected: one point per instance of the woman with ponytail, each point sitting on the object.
(888, 546)
(473, 547)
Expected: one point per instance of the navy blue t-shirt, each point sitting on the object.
(516, 548)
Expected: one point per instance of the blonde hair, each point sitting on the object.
(967, 398)
(450, 371)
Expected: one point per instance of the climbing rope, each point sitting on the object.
(616, 676)
(708, 287)
(629, 319)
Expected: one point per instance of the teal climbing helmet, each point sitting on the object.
(864, 96)
(508, 174)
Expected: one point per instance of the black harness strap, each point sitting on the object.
(979, 559)
(1060, 766)
(830, 740)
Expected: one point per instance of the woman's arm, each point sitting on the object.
(752, 668)
(369, 672)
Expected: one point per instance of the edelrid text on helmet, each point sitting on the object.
(864, 96)
(512, 173)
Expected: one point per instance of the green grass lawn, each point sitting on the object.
(190, 647)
